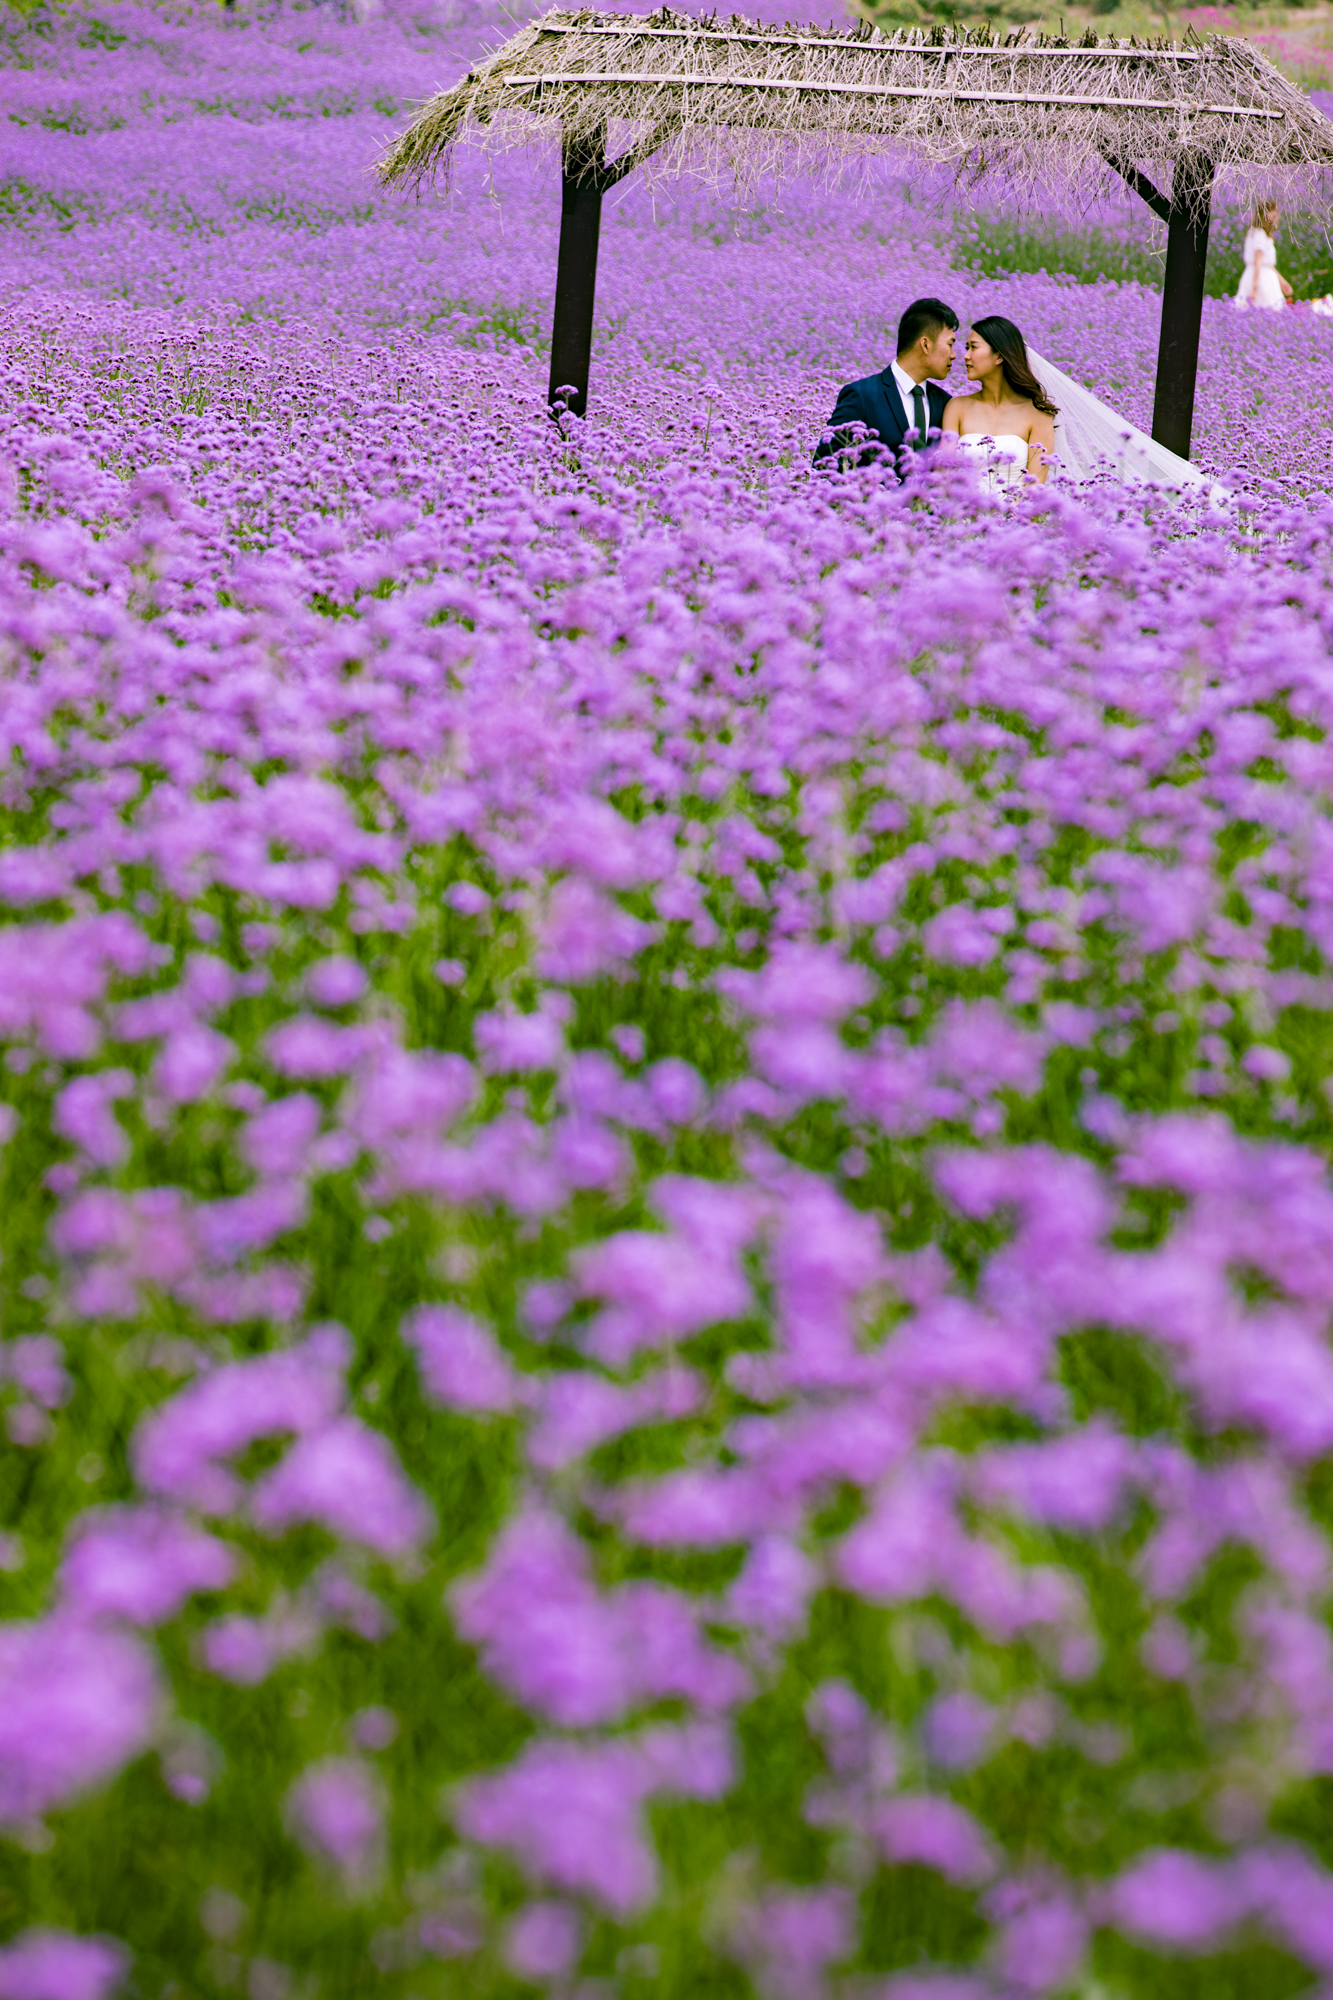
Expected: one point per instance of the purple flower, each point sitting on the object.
(542, 1941)
(336, 982)
(348, 1479)
(140, 1564)
(84, 1115)
(35, 1363)
(1042, 1943)
(305, 1046)
(77, 1701)
(519, 1041)
(801, 982)
(191, 1062)
(772, 1593)
(276, 1141)
(1077, 1481)
(573, 1812)
(961, 935)
(581, 1411)
(957, 1730)
(1175, 1898)
(700, 1509)
(807, 1059)
(55, 1965)
(176, 1449)
(246, 1650)
(843, 1722)
(791, 1937)
(374, 1728)
(336, 1809)
(667, 1287)
(462, 1364)
(1268, 1065)
(936, 1833)
(401, 1091)
(584, 934)
(574, 1653)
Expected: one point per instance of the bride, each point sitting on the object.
(1016, 431)
(1011, 424)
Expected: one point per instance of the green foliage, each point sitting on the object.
(24, 203)
(995, 244)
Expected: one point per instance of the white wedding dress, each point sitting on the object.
(1090, 437)
(1260, 284)
(1002, 461)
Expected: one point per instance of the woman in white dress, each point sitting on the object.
(1261, 283)
(1010, 426)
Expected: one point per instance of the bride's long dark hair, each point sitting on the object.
(1004, 338)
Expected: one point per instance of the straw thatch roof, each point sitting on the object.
(706, 94)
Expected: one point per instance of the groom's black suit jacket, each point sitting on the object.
(875, 402)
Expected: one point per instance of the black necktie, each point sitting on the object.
(919, 407)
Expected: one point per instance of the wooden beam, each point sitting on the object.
(582, 166)
(1141, 185)
(585, 176)
(1182, 301)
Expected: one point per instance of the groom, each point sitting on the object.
(904, 397)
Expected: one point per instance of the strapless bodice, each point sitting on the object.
(1005, 457)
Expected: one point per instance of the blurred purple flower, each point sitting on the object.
(957, 1730)
(518, 1041)
(580, 1411)
(191, 1062)
(336, 1809)
(276, 1140)
(542, 1941)
(77, 1701)
(462, 1364)
(246, 1650)
(336, 982)
(667, 1287)
(573, 1812)
(140, 1564)
(1076, 1482)
(583, 934)
(176, 1448)
(84, 1115)
(1176, 1898)
(935, 1832)
(35, 1363)
(790, 1937)
(577, 1654)
(348, 1479)
(55, 1965)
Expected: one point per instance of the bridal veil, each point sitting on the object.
(1092, 437)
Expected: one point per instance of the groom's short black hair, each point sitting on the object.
(924, 316)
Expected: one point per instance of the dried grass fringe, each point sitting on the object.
(731, 101)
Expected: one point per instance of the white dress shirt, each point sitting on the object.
(905, 386)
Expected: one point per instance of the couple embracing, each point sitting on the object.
(1009, 426)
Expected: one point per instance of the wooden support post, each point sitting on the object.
(1182, 301)
(583, 178)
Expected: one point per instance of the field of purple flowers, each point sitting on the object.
(667, 1246)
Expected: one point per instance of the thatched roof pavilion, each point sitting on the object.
(1039, 110)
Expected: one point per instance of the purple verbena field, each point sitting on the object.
(667, 1241)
